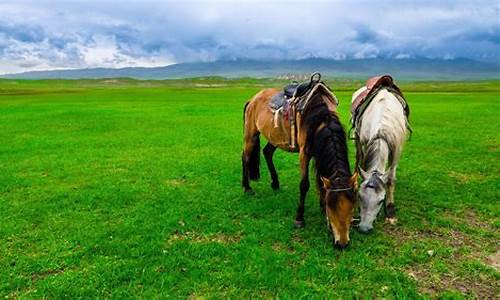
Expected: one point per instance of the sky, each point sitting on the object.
(42, 35)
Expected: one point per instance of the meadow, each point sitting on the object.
(121, 188)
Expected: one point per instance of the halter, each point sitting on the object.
(342, 189)
(329, 226)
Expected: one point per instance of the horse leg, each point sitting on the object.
(245, 182)
(390, 208)
(304, 187)
(268, 154)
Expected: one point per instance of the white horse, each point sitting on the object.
(382, 131)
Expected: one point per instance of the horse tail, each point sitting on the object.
(254, 158)
(244, 113)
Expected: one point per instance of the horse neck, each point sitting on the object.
(330, 151)
(376, 156)
(325, 138)
(383, 131)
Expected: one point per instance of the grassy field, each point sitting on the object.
(120, 188)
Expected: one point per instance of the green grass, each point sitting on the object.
(132, 189)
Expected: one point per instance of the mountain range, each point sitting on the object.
(408, 68)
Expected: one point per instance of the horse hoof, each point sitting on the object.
(391, 221)
(275, 186)
(300, 224)
(249, 192)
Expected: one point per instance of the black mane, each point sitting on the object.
(328, 145)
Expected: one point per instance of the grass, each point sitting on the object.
(121, 188)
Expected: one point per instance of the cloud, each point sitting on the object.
(489, 34)
(365, 35)
(23, 33)
(36, 35)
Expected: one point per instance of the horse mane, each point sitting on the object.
(326, 142)
(374, 145)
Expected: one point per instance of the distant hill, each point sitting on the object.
(413, 69)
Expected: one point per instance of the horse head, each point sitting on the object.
(340, 202)
(371, 197)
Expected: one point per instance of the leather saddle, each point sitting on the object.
(292, 90)
(296, 89)
(374, 84)
(292, 100)
(278, 100)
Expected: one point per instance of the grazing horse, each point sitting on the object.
(380, 132)
(319, 135)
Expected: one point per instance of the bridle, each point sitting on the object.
(339, 189)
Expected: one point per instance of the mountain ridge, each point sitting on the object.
(409, 68)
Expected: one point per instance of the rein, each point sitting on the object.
(340, 189)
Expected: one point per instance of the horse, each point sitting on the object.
(319, 136)
(381, 132)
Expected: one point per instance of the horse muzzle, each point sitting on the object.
(364, 228)
(341, 246)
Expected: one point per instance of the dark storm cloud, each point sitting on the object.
(491, 34)
(71, 34)
(365, 35)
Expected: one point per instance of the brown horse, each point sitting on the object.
(321, 136)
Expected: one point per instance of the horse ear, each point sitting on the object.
(354, 180)
(364, 174)
(326, 182)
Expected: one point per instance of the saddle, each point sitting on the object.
(373, 86)
(294, 98)
(294, 89)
